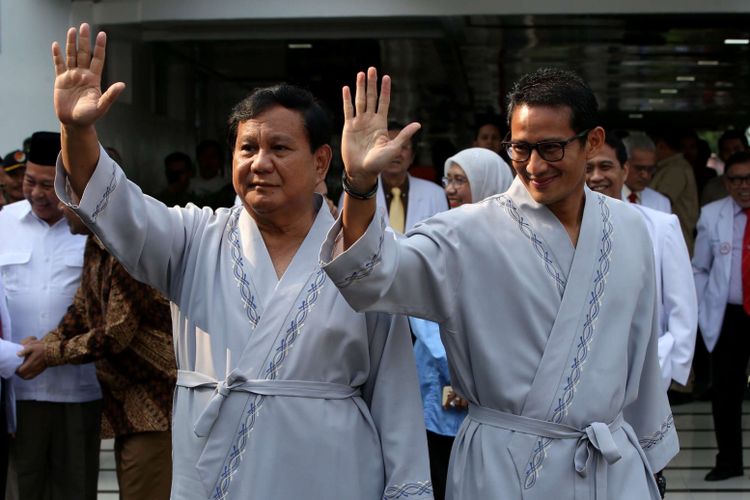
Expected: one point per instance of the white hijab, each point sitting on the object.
(487, 172)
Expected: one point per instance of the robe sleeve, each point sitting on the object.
(680, 302)
(392, 394)
(384, 272)
(649, 412)
(149, 239)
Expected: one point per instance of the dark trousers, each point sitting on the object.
(728, 368)
(439, 448)
(57, 450)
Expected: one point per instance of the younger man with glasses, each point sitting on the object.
(547, 321)
(722, 278)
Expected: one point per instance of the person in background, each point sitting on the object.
(721, 267)
(59, 412)
(470, 175)
(730, 142)
(125, 328)
(642, 162)
(11, 175)
(178, 169)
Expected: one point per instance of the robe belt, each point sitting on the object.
(593, 441)
(237, 382)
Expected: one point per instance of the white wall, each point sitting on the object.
(27, 30)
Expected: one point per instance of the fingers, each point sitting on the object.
(83, 54)
(70, 49)
(97, 61)
(406, 133)
(109, 97)
(23, 352)
(359, 95)
(28, 340)
(372, 89)
(57, 59)
(346, 96)
(385, 96)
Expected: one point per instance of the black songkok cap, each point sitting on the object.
(14, 160)
(44, 148)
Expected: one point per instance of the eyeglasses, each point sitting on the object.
(644, 169)
(458, 182)
(738, 180)
(548, 150)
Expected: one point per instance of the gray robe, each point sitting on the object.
(283, 390)
(555, 347)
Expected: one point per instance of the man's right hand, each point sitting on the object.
(79, 101)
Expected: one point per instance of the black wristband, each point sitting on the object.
(355, 194)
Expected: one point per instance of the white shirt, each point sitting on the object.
(735, 273)
(40, 266)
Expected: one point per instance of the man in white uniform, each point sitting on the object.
(57, 440)
(722, 277)
(407, 199)
(283, 390)
(677, 307)
(641, 152)
(545, 297)
(9, 363)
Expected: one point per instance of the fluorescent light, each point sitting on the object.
(736, 41)
(656, 101)
(708, 63)
(300, 45)
(635, 115)
(668, 91)
(685, 78)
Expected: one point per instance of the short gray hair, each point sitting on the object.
(638, 140)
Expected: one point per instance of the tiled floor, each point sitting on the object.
(684, 474)
(698, 449)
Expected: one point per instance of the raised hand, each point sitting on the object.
(365, 146)
(79, 101)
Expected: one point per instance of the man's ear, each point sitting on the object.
(322, 158)
(594, 142)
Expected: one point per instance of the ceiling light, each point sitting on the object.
(685, 78)
(668, 91)
(635, 116)
(736, 41)
(300, 45)
(708, 63)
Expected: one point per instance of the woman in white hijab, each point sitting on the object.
(474, 174)
(470, 175)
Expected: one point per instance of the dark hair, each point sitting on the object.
(316, 120)
(557, 88)
(209, 144)
(178, 156)
(489, 119)
(616, 143)
(735, 159)
(732, 134)
(671, 137)
(393, 125)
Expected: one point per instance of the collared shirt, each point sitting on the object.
(626, 192)
(404, 187)
(735, 272)
(40, 266)
(125, 327)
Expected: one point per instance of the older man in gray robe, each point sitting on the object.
(547, 318)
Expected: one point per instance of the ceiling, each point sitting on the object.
(646, 70)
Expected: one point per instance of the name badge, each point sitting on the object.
(725, 248)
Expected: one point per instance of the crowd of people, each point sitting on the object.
(514, 334)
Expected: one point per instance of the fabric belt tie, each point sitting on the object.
(595, 442)
(237, 382)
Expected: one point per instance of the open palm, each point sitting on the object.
(365, 146)
(79, 100)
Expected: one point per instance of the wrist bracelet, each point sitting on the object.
(355, 194)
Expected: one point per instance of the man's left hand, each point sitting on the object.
(35, 363)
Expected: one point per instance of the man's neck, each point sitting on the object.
(393, 180)
(284, 233)
(570, 214)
